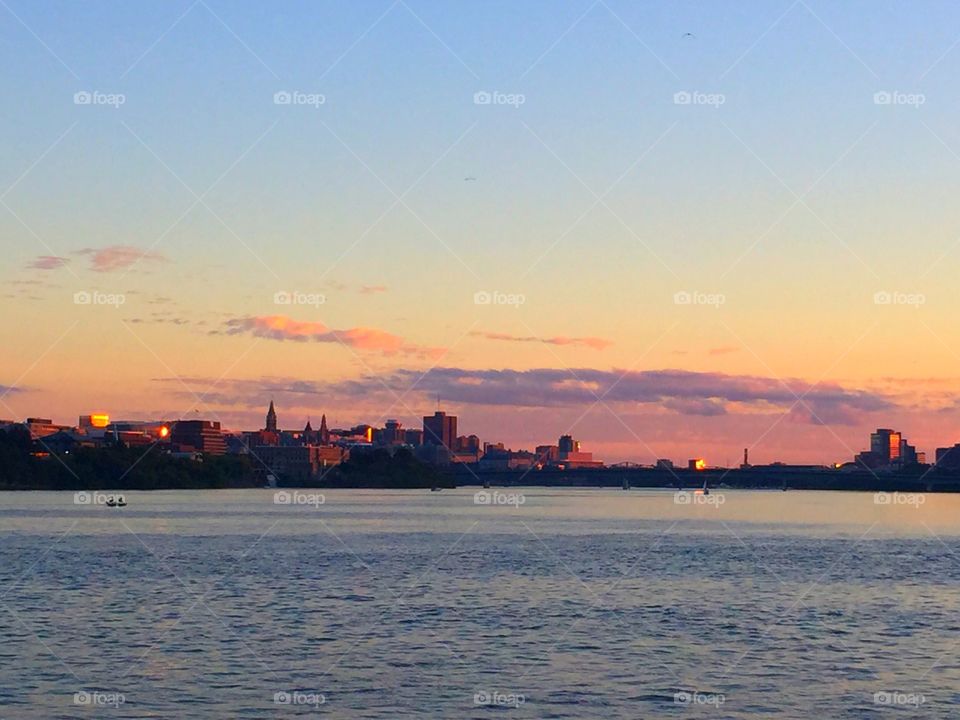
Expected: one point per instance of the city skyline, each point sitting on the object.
(667, 231)
(887, 449)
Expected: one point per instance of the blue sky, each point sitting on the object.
(798, 197)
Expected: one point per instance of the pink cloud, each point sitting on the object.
(281, 327)
(372, 289)
(725, 350)
(594, 343)
(118, 257)
(48, 262)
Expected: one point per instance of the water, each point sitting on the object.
(575, 603)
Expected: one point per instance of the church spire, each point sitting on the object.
(271, 419)
(323, 432)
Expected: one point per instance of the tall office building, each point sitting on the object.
(885, 445)
(440, 429)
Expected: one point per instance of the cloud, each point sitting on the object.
(118, 257)
(281, 327)
(724, 350)
(676, 391)
(372, 289)
(594, 343)
(48, 262)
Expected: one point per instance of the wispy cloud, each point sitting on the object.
(48, 262)
(118, 257)
(594, 343)
(282, 327)
(372, 289)
(677, 391)
(724, 350)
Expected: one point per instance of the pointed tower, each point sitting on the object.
(307, 428)
(324, 433)
(271, 419)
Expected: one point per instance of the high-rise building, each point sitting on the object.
(885, 445)
(440, 429)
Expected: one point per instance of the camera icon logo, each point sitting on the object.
(682, 98)
(882, 498)
(82, 98)
(882, 298)
(882, 98)
(682, 298)
(482, 298)
(282, 97)
(482, 497)
(482, 98)
(81, 698)
(282, 698)
(282, 498)
(82, 498)
(282, 297)
(82, 297)
(682, 497)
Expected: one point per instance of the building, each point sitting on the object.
(271, 421)
(948, 458)
(95, 421)
(41, 427)
(469, 444)
(299, 463)
(440, 429)
(888, 449)
(202, 436)
(885, 445)
(413, 438)
(392, 433)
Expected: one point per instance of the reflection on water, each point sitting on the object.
(523, 602)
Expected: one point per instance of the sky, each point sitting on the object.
(671, 229)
